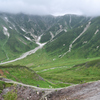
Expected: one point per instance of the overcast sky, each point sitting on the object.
(54, 7)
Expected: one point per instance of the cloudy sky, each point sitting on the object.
(54, 7)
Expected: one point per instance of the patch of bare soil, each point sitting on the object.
(2, 73)
(23, 93)
(7, 72)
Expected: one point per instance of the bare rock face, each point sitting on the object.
(23, 93)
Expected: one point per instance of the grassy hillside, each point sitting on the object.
(59, 70)
(86, 72)
(60, 43)
(48, 61)
(66, 22)
(15, 44)
(24, 29)
(86, 46)
(23, 74)
(27, 76)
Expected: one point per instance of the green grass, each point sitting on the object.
(26, 76)
(4, 85)
(34, 60)
(61, 70)
(16, 44)
(47, 63)
(86, 72)
(42, 60)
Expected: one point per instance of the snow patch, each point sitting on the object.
(96, 31)
(52, 36)
(27, 38)
(59, 31)
(5, 30)
(59, 56)
(51, 69)
(38, 41)
(23, 42)
(84, 42)
(6, 19)
(10, 27)
(54, 59)
(60, 26)
(65, 30)
(34, 36)
(23, 30)
(97, 47)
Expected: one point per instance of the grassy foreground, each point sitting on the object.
(27, 76)
(23, 74)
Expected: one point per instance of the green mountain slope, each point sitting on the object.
(71, 40)
(84, 45)
(19, 33)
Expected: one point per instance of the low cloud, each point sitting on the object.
(54, 7)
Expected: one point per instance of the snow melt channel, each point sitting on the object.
(27, 53)
(70, 46)
(96, 31)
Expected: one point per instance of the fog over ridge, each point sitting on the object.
(54, 7)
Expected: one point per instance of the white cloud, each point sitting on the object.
(55, 7)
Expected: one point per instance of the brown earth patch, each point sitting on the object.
(2, 73)
(7, 72)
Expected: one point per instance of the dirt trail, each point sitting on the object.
(1, 72)
(86, 91)
(46, 90)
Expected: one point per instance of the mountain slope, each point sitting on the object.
(19, 33)
(17, 74)
(78, 41)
